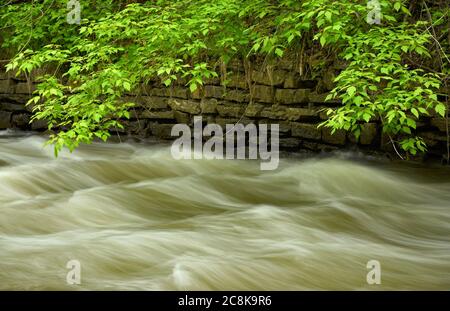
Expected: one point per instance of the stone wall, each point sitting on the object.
(14, 94)
(276, 95)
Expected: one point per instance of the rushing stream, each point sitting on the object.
(137, 219)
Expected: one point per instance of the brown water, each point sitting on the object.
(137, 219)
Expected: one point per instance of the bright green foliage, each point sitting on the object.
(392, 71)
(377, 84)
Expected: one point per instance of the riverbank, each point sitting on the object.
(298, 105)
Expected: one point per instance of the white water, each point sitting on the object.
(138, 220)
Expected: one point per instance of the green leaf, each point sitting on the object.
(423, 111)
(167, 82)
(440, 109)
(351, 90)
(279, 52)
(127, 86)
(193, 87)
(358, 100)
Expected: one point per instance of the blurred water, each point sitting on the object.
(137, 219)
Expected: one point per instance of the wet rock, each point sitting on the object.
(5, 120)
(306, 130)
(21, 120)
(12, 107)
(153, 102)
(4, 75)
(320, 98)
(292, 96)
(431, 138)
(177, 92)
(235, 65)
(182, 117)
(288, 113)
(284, 127)
(230, 110)
(237, 96)
(368, 133)
(161, 130)
(323, 113)
(297, 114)
(254, 109)
(163, 115)
(16, 99)
(269, 77)
(223, 122)
(328, 79)
(289, 143)
(136, 127)
(285, 63)
(236, 80)
(25, 88)
(327, 148)
(440, 123)
(263, 94)
(293, 80)
(189, 106)
(211, 81)
(208, 105)
(212, 91)
(337, 138)
(37, 125)
(6, 87)
(274, 112)
(197, 94)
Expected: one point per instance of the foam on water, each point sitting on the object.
(137, 219)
